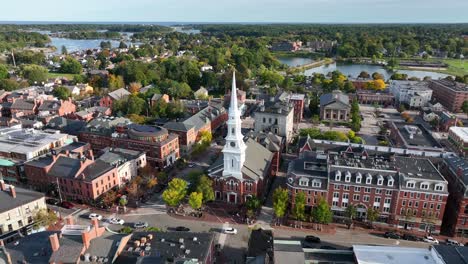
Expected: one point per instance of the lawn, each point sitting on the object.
(457, 67)
(56, 75)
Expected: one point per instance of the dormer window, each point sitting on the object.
(347, 176)
(410, 184)
(358, 177)
(303, 182)
(316, 183)
(337, 175)
(380, 180)
(439, 187)
(368, 179)
(424, 186)
(390, 181)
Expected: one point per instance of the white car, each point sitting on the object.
(116, 221)
(191, 165)
(431, 240)
(230, 230)
(95, 216)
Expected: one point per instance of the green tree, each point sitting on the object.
(195, 200)
(205, 187)
(322, 213)
(108, 198)
(9, 84)
(355, 116)
(64, 50)
(253, 203)
(364, 75)
(372, 215)
(464, 107)
(135, 105)
(44, 217)
(71, 65)
(351, 213)
(115, 82)
(175, 192)
(299, 206)
(3, 72)
(62, 93)
(34, 73)
(280, 202)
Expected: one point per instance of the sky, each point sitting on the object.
(281, 11)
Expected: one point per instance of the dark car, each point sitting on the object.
(392, 235)
(52, 201)
(328, 247)
(67, 205)
(411, 237)
(182, 228)
(312, 239)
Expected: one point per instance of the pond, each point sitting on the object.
(81, 44)
(353, 70)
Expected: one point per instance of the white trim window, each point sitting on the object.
(410, 184)
(439, 187)
(424, 185)
(303, 182)
(316, 183)
(368, 179)
(390, 181)
(358, 177)
(347, 176)
(337, 175)
(379, 180)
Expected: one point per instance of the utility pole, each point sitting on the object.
(58, 187)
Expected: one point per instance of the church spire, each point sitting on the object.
(234, 150)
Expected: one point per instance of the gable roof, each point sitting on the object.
(335, 96)
(23, 104)
(119, 94)
(50, 105)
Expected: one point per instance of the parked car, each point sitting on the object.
(95, 216)
(182, 228)
(140, 225)
(328, 247)
(116, 221)
(230, 230)
(392, 235)
(67, 205)
(452, 242)
(52, 201)
(430, 239)
(191, 165)
(411, 237)
(312, 239)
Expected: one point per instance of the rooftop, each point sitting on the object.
(415, 135)
(167, 246)
(23, 196)
(461, 132)
(26, 141)
(392, 255)
(456, 86)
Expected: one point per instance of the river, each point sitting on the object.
(353, 70)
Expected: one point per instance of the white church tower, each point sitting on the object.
(234, 150)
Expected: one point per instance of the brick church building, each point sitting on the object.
(244, 168)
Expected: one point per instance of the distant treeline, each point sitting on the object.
(360, 40)
(84, 27)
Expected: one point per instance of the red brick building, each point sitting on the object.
(210, 119)
(244, 168)
(78, 176)
(449, 93)
(407, 192)
(161, 147)
(455, 222)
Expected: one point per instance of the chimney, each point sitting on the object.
(12, 191)
(90, 154)
(54, 242)
(2, 185)
(70, 220)
(95, 223)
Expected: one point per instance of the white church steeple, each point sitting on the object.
(234, 150)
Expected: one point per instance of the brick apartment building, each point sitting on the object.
(455, 170)
(209, 119)
(458, 136)
(449, 93)
(79, 176)
(407, 192)
(161, 147)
